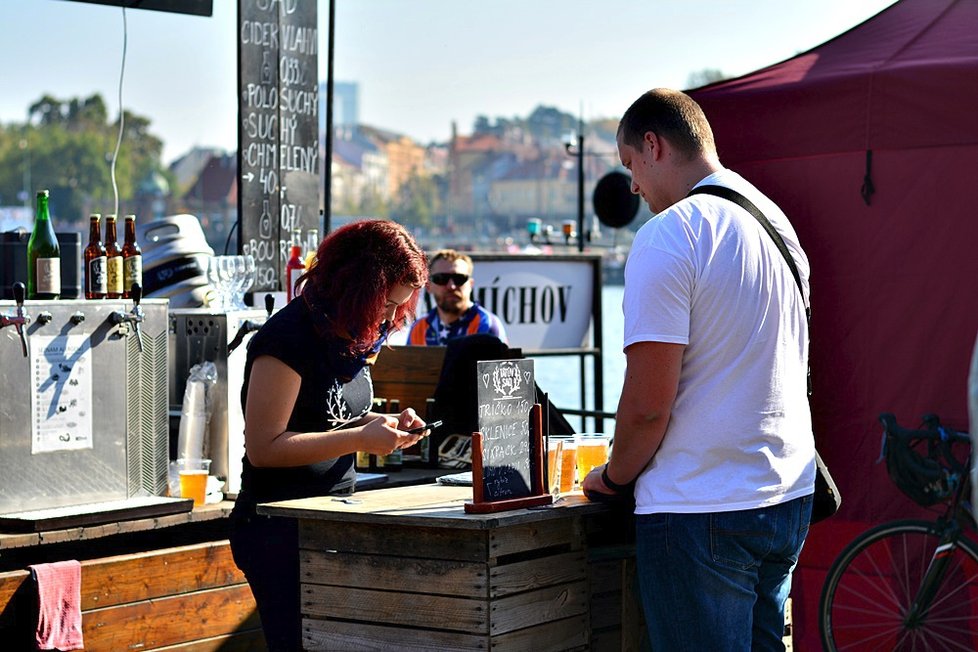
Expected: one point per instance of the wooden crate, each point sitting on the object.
(405, 587)
(617, 622)
(408, 374)
(188, 598)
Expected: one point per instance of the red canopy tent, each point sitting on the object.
(870, 144)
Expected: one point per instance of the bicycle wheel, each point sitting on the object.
(871, 585)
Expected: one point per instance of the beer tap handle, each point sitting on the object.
(20, 293)
(269, 303)
(22, 319)
(136, 292)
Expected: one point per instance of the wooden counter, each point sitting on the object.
(408, 569)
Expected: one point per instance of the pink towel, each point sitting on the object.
(59, 622)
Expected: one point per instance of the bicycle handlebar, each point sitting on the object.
(935, 434)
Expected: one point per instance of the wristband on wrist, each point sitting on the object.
(614, 486)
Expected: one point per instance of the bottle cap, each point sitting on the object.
(42, 193)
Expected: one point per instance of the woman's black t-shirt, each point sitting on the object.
(325, 402)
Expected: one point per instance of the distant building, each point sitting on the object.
(405, 158)
(213, 198)
(188, 167)
(346, 105)
(544, 188)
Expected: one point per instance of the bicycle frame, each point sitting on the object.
(951, 531)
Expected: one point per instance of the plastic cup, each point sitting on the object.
(568, 465)
(193, 479)
(593, 450)
(554, 448)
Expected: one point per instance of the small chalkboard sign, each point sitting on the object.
(507, 458)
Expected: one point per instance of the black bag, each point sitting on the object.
(827, 498)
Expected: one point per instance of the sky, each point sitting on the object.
(420, 64)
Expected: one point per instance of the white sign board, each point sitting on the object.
(545, 302)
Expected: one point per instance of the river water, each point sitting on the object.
(560, 376)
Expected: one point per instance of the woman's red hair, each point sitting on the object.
(356, 268)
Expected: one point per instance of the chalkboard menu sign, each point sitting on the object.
(506, 393)
(278, 133)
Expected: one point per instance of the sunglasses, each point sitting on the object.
(443, 278)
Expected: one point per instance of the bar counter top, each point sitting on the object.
(429, 505)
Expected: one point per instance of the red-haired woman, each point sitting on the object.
(306, 400)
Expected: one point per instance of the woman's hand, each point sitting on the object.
(386, 433)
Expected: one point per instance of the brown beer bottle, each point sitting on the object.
(113, 259)
(95, 261)
(132, 259)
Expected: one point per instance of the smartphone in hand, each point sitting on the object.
(430, 426)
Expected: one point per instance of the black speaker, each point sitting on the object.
(13, 262)
(614, 202)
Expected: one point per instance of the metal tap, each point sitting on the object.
(132, 318)
(249, 326)
(19, 320)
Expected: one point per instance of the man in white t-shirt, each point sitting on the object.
(713, 425)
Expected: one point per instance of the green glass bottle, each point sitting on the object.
(43, 255)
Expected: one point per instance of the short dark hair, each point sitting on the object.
(356, 268)
(672, 115)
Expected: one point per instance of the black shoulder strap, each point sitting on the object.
(748, 205)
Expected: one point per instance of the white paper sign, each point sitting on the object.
(544, 302)
(61, 393)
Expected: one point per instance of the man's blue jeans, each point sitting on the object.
(719, 581)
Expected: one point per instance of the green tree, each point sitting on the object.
(418, 201)
(68, 145)
(703, 77)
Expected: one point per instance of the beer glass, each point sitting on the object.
(593, 450)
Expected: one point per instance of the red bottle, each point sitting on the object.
(293, 270)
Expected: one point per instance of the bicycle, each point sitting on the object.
(910, 584)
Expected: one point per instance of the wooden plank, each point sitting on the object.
(335, 635)
(244, 641)
(395, 608)
(604, 577)
(632, 616)
(605, 611)
(10, 583)
(422, 542)
(540, 606)
(605, 640)
(18, 611)
(508, 579)
(566, 634)
(144, 576)
(205, 513)
(534, 536)
(428, 576)
(150, 624)
(408, 374)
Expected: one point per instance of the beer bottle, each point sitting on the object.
(96, 283)
(43, 255)
(132, 259)
(113, 254)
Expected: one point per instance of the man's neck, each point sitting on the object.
(690, 174)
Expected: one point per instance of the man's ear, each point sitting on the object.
(652, 140)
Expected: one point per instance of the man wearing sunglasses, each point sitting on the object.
(455, 314)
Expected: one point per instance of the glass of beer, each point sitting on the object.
(568, 464)
(593, 450)
(555, 447)
(193, 479)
